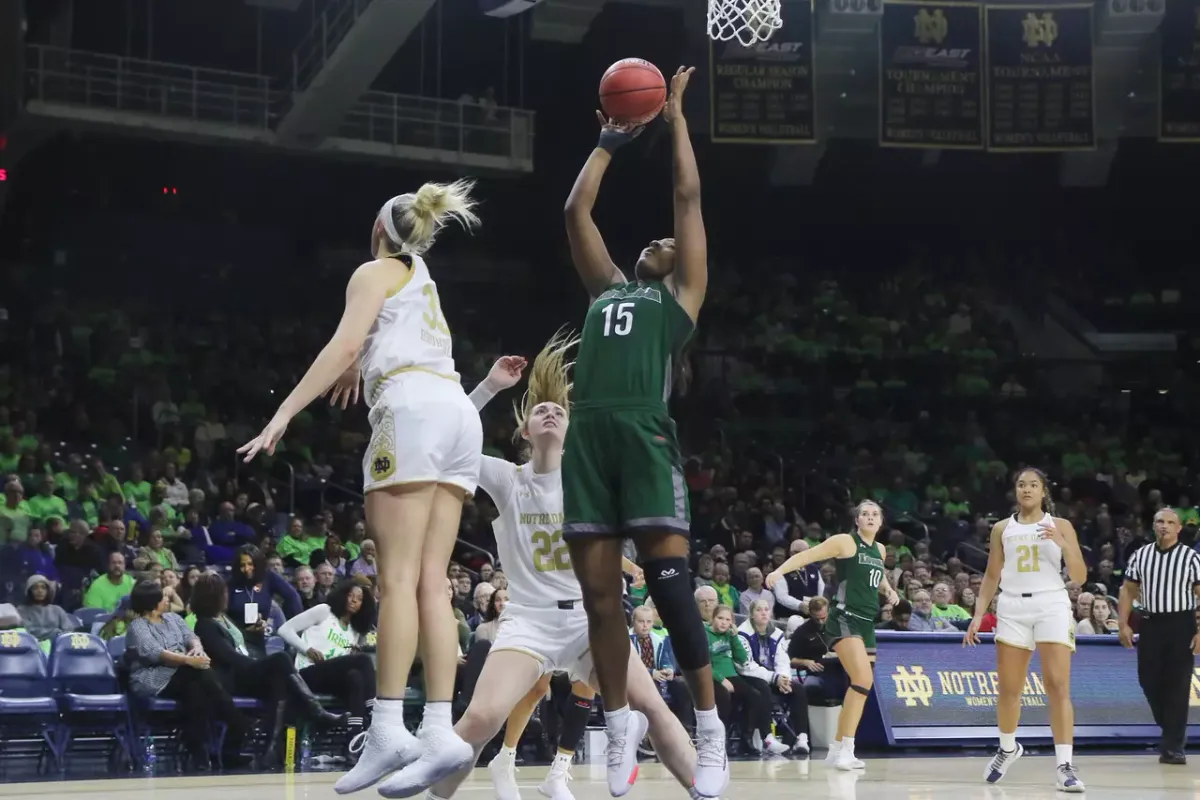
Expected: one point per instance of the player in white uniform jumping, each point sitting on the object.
(422, 461)
(1026, 560)
(544, 627)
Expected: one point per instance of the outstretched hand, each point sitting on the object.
(673, 110)
(266, 440)
(506, 372)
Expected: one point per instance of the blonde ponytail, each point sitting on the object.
(413, 221)
(549, 379)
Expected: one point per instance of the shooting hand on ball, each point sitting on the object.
(614, 133)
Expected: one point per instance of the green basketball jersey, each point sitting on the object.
(631, 338)
(858, 580)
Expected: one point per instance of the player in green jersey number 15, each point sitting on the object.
(850, 628)
(622, 475)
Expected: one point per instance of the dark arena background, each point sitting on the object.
(946, 240)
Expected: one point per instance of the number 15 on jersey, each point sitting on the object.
(618, 319)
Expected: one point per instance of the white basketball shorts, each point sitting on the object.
(423, 429)
(1026, 622)
(557, 638)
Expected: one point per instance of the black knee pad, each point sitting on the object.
(861, 690)
(669, 583)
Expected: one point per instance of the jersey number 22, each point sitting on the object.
(550, 552)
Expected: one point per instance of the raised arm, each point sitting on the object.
(496, 476)
(365, 294)
(592, 261)
(840, 546)
(691, 244)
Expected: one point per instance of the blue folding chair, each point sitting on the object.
(90, 616)
(275, 644)
(89, 694)
(27, 703)
(116, 648)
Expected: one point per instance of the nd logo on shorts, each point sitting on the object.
(382, 466)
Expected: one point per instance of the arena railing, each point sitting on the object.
(118, 83)
(254, 102)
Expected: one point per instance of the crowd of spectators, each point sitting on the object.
(807, 395)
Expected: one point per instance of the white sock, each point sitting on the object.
(507, 752)
(617, 719)
(1063, 753)
(389, 711)
(707, 720)
(437, 714)
(1008, 741)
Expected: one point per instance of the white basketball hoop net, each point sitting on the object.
(748, 21)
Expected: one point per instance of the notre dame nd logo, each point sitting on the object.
(930, 28)
(913, 686)
(381, 466)
(1039, 30)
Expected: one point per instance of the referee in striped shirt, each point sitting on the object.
(1166, 576)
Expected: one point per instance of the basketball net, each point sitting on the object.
(748, 21)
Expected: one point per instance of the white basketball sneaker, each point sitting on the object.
(1068, 781)
(382, 749)
(443, 753)
(835, 747)
(1001, 762)
(845, 758)
(622, 753)
(555, 786)
(712, 763)
(503, 769)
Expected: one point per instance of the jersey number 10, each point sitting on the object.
(550, 552)
(623, 314)
(1027, 558)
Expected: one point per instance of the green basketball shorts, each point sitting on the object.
(841, 625)
(622, 472)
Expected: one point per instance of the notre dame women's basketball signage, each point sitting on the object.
(1040, 78)
(763, 94)
(1179, 76)
(928, 682)
(930, 65)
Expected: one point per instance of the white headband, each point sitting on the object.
(389, 224)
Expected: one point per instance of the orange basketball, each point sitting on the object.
(632, 91)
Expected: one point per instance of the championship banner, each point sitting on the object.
(1179, 72)
(930, 75)
(1040, 78)
(930, 687)
(763, 94)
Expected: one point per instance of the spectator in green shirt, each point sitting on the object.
(943, 604)
(105, 482)
(46, 503)
(298, 545)
(1189, 515)
(10, 455)
(68, 479)
(727, 651)
(957, 507)
(137, 489)
(15, 515)
(107, 590)
(727, 593)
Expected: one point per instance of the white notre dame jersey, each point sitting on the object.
(1031, 564)
(410, 332)
(529, 532)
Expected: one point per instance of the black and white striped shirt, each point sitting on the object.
(1167, 577)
